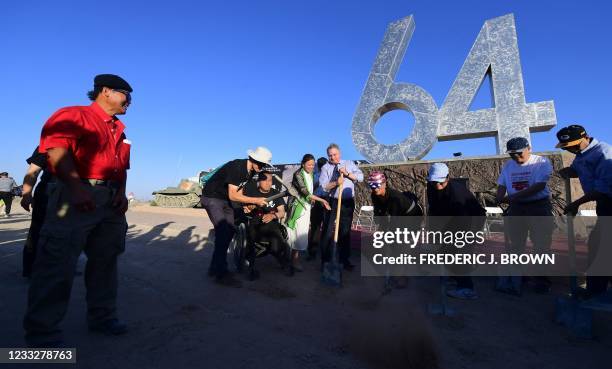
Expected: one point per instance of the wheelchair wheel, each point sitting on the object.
(237, 247)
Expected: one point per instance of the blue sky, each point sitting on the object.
(213, 79)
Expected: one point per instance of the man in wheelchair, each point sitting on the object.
(265, 233)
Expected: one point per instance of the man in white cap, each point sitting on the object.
(452, 207)
(225, 186)
(333, 174)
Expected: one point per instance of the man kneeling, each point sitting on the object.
(264, 228)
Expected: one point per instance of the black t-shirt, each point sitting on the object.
(253, 191)
(454, 208)
(395, 203)
(454, 200)
(233, 172)
(40, 159)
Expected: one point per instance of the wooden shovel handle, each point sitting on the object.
(338, 210)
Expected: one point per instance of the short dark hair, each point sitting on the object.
(306, 158)
(93, 94)
(321, 162)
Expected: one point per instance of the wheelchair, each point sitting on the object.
(243, 251)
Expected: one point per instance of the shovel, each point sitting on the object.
(332, 272)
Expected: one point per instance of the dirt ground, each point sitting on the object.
(179, 318)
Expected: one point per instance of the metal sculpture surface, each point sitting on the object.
(494, 53)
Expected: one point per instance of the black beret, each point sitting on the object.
(112, 81)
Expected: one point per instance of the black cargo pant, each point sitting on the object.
(534, 220)
(221, 215)
(7, 197)
(317, 215)
(39, 209)
(271, 233)
(599, 247)
(64, 234)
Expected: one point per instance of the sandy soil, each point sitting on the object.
(179, 318)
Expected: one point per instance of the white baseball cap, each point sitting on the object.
(437, 172)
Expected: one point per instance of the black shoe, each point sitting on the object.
(348, 266)
(111, 327)
(228, 280)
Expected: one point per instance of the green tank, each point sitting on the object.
(185, 195)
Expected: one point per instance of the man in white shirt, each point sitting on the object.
(329, 181)
(523, 184)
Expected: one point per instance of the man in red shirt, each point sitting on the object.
(88, 154)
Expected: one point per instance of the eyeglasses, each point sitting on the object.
(127, 94)
(519, 153)
(374, 185)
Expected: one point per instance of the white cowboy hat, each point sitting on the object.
(260, 154)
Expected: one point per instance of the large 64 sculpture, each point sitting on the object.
(494, 53)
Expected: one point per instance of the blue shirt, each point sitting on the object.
(594, 167)
(329, 173)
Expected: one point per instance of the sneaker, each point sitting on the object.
(463, 294)
(111, 327)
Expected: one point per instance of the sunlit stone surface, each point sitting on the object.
(494, 53)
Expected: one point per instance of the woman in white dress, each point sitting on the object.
(298, 221)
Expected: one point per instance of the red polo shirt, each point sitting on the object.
(96, 140)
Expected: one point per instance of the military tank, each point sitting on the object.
(185, 195)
